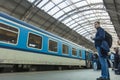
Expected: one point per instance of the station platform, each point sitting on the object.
(82, 74)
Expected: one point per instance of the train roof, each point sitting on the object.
(34, 27)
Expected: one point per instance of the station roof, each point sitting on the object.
(79, 15)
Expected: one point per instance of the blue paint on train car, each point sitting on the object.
(60, 48)
(23, 36)
(83, 54)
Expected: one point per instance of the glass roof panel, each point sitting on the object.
(67, 20)
(58, 14)
(72, 26)
(74, 1)
(48, 6)
(70, 23)
(43, 3)
(80, 3)
(75, 16)
(67, 9)
(62, 5)
(94, 1)
(53, 11)
(57, 1)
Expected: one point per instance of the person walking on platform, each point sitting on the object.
(117, 60)
(116, 57)
(112, 58)
(102, 48)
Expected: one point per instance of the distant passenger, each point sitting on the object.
(112, 58)
(102, 49)
(116, 57)
(117, 60)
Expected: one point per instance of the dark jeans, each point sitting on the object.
(104, 64)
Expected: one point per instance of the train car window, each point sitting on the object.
(74, 52)
(53, 46)
(8, 34)
(35, 41)
(80, 53)
(65, 49)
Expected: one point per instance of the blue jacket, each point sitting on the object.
(100, 39)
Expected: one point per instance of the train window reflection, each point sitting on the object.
(35, 41)
(74, 52)
(65, 49)
(53, 46)
(8, 34)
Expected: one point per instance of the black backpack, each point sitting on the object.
(108, 39)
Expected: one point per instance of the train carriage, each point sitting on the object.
(24, 46)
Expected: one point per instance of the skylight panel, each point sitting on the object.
(62, 5)
(73, 25)
(75, 16)
(74, 1)
(67, 20)
(70, 23)
(54, 10)
(48, 6)
(57, 1)
(94, 1)
(43, 3)
(67, 9)
(58, 14)
(81, 4)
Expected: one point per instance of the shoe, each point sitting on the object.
(101, 78)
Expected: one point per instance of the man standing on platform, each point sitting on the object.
(102, 48)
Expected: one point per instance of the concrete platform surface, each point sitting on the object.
(87, 74)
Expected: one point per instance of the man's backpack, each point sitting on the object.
(108, 39)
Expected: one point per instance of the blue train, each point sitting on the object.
(25, 47)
